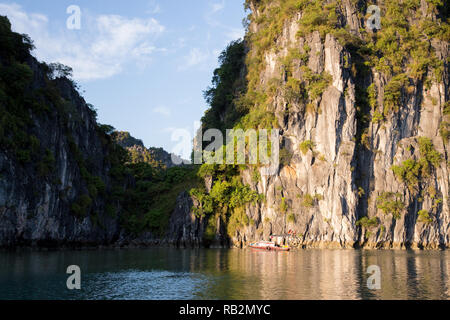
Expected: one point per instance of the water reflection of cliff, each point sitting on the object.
(410, 275)
(323, 274)
(226, 274)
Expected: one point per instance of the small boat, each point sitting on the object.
(269, 246)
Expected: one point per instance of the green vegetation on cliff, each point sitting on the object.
(149, 204)
(16, 100)
(401, 54)
(227, 85)
(401, 51)
(412, 171)
(227, 198)
(134, 189)
(391, 203)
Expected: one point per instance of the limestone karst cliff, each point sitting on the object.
(364, 122)
(64, 181)
(53, 157)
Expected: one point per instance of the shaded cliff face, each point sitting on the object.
(65, 180)
(364, 123)
(54, 166)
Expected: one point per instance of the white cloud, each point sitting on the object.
(162, 110)
(235, 34)
(194, 58)
(214, 8)
(218, 6)
(211, 18)
(101, 49)
(21, 19)
(154, 7)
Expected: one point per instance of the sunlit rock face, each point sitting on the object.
(362, 167)
(349, 177)
(348, 173)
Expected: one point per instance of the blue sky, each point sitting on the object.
(143, 63)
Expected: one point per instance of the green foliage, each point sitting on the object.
(230, 106)
(316, 83)
(444, 131)
(145, 196)
(397, 37)
(47, 164)
(81, 207)
(149, 204)
(377, 117)
(390, 203)
(285, 157)
(428, 152)
(317, 16)
(409, 173)
(237, 220)
(205, 203)
(258, 118)
(367, 223)
(372, 96)
(295, 90)
(444, 128)
(138, 152)
(310, 201)
(13, 44)
(290, 218)
(227, 199)
(294, 58)
(256, 176)
(412, 171)
(361, 192)
(401, 50)
(211, 231)
(284, 206)
(123, 138)
(307, 146)
(21, 103)
(227, 84)
(424, 217)
(224, 195)
(447, 109)
(393, 93)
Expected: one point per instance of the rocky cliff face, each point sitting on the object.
(37, 196)
(65, 180)
(363, 118)
(364, 128)
(61, 175)
(339, 180)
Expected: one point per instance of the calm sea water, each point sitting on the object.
(161, 273)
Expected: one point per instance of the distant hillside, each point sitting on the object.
(156, 157)
(125, 140)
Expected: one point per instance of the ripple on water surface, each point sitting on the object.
(142, 285)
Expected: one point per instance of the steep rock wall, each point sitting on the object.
(340, 189)
(36, 209)
(349, 178)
